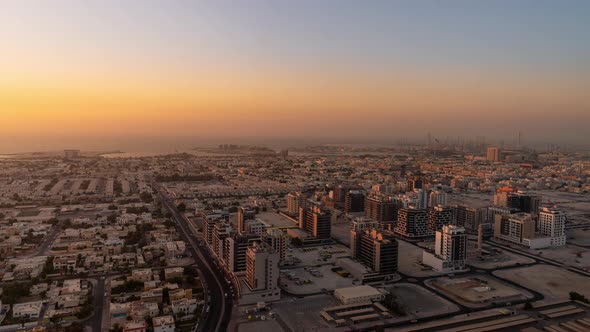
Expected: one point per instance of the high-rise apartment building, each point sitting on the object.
(551, 223)
(493, 154)
(278, 240)
(511, 198)
(354, 201)
(414, 183)
(450, 250)
(262, 268)
(494, 211)
(295, 201)
(221, 231)
(317, 221)
(469, 217)
(412, 223)
(529, 203)
(451, 244)
(234, 251)
(208, 225)
(245, 214)
(382, 209)
(506, 197)
(514, 227)
(438, 217)
(437, 197)
(340, 193)
(375, 249)
(421, 199)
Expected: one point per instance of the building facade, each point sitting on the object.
(551, 223)
(412, 223)
(376, 250)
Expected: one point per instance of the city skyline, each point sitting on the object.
(93, 72)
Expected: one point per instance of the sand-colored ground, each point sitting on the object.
(553, 282)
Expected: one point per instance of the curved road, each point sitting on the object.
(220, 306)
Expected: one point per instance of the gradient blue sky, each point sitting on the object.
(219, 61)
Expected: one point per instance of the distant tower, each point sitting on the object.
(245, 214)
(519, 139)
(479, 238)
(493, 154)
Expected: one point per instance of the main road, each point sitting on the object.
(218, 313)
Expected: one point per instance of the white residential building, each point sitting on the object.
(551, 223)
(437, 197)
(358, 295)
(142, 275)
(450, 250)
(184, 306)
(27, 310)
(163, 324)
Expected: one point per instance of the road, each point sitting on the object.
(220, 306)
(98, 301)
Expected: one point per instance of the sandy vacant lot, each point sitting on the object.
(569, 254)
(580, 237)
(551, 281)
(479, 290)
(420, 302)
(502, 259)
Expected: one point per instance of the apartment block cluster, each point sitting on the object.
(425, 213)
(250, 252)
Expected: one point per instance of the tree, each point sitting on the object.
(54, 320)
(85, 310)
(181, 207)
(166, 295)
(13, 292)
(117, 328)
(177, 280)
(75, 327)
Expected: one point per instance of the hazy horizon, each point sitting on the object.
(160, 145)
(85, 74)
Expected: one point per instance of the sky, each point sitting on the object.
(80, 72)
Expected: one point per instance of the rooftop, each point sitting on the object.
(163, 320)
(356, 291)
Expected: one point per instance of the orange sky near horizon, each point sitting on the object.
(128, 101)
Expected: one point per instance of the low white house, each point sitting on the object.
(163, 324)
(27, 310)
(358, 294)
